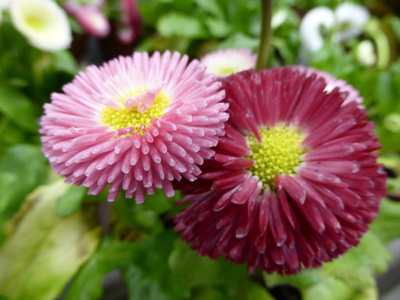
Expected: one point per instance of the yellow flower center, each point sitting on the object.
(35, 22)
(278, 153)
(227, 71)
(132, 117)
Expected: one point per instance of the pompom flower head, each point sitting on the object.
(223, 63)
(294, 182)
(42, 22)
(136, 123)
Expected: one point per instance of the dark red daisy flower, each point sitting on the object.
(294, 182)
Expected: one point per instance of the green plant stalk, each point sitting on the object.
(374, 29)
(265, 36)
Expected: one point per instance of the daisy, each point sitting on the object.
(42, 22)
(135, 123)
(349, 93)
(351, 19)
(347, 21)
(222, 63)
(365, 52)
(294, 182)
(311, 25)
(93, 21)
(130, 23)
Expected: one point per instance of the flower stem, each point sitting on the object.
(263, 49)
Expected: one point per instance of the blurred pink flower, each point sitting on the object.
(223, 63)
(294, 181)
(90, 18)
(93, 21)
(351, 94)
(136, 123)
(130, 23)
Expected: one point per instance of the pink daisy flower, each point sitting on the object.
(351, 94)
(223, 63)
(93, 21)
(131, 22)
(135, 123)
(294, 181)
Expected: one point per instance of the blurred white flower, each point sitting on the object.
(366, 53)
(279, 18)
(392, 123)
(351, 19)
(310, 27)
(347, 20)
(4, 4)
(42, 22)
(223, 63)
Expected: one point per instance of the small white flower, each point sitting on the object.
(392, 123)
(351, 19)
(366, 53)
(4, 4)
(347, 21)
(42, 22)
(310, 27)
(223, 63)
(279, 18)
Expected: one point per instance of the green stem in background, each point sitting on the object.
(265, 36)
(374, 29)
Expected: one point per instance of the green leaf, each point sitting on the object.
(256, 291)
(18, 108)
(71, 201)
(43, 251)
(152, 10)
(149, 276)
(358, 266)
(305, 279)
(384, 90)
(387, 225)
(177, 24)
(207, 293)
(243, 14)
(65, 62)
(159, 202)
(211, 6)
(194, 270)
(161, 43)
(395, 24)
(217, 27)
(147, 216)
(344, 278)
(7, 179)
(11, 134)
(88, 284)
(22, 168)
(238, 41)
(329, 288)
